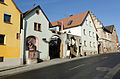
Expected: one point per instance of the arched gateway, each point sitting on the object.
(31, 49)
(55, 47)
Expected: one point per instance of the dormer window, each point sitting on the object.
(70, 22)
(1, 0)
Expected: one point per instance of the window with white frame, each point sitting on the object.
(90, 44)
(90, 23)
(85, 43)
(37, 27)
(90, 33)
(94, 44)
(7, 18)
(93, 34)
(84, 31)
(86, 22)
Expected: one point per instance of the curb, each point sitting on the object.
(27, 68)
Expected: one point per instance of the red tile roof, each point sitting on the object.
(76, 20)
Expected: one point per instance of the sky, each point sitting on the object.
(107, 11)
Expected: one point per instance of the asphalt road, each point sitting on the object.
(89, 68)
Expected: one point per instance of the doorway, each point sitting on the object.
(55, 47)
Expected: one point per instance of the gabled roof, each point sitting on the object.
(74, 21)
(27, 12)
(16, 6)
(109, 28)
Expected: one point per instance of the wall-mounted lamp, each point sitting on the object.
(44, 39)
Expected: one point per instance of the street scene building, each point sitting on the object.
(29, 37)
(82, 26)
(107, 37)
(35, 36)
(9, 33)
(45, 42)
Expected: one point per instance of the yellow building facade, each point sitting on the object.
(9, 33)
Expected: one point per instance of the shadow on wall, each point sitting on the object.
(39, 60)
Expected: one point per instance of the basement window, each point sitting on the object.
(1, 59)
(18, 36)
(2, 38)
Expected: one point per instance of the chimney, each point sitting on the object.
(70, 15)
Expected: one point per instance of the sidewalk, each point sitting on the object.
(25, 68)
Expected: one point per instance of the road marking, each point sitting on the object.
(77, 66)
(112, 72)
(104, 57)
(103, 69)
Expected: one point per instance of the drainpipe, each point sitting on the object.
(24, 43)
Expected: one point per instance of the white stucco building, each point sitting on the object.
(82, 26)
(35, 36)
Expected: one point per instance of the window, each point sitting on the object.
(37, 12)
(2, 39)
(90, 33)
(90, 23)
(18, 36)
(1, 0)
(94, 44)
(90, 44)
(93, 34)
(84, 31)
(37, 27)
(70, 22)
(1, 59)
(68, 47)
(85, 43)
(7, 18)
(86, 22)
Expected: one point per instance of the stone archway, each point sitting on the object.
(31, 50)
(55, 47)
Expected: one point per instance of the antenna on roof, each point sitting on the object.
(34, 3)
(64, 15)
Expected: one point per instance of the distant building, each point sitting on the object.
(107, 37)
(9, 33)
(111, 35)
(81, 33)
